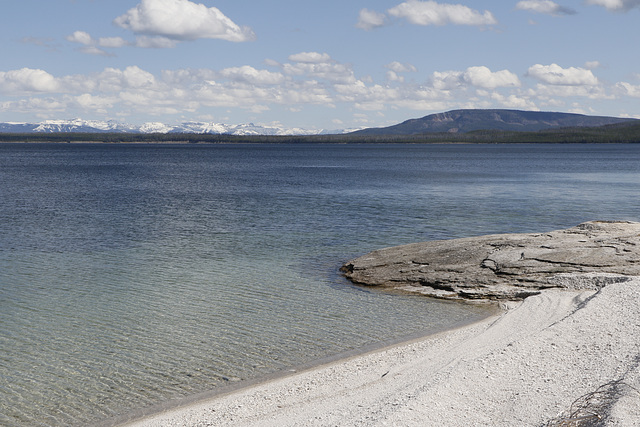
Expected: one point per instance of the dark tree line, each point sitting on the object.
(619, 133)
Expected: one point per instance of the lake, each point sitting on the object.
(134, 274)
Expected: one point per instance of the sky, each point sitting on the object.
(314, 64)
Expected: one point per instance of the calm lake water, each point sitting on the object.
(135, 274)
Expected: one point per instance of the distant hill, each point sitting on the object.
(462, 121)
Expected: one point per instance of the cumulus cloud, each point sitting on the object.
(481, 77)
(544, 6)
(113, 80)
(331, 72)
(310, 57)
(370, 19)
(317, 65)
(433, 13)
(32, 105)
(162, 24)
(514, 101)
(627, 89)
(182, 20)
(27, 80)
(556, 75)
(555, 93)
(395, 68)
(616, 5)
(307, 78)
(99, 104)
(247, 74)
(81, 37)
(485, 78)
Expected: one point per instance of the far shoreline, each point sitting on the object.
(577, 135)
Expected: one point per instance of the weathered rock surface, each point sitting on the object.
(506, 266)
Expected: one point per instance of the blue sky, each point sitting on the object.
(314, 65)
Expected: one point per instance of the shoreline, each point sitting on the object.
(493, 309)
(524, 366)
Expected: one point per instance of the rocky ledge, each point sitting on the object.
(506, 266)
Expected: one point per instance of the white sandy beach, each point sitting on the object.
(524, 367)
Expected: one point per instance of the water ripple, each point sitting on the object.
(130, 275)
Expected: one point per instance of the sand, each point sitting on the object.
(523, 367)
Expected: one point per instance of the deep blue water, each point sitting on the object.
(134, 274)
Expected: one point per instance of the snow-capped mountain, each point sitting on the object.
(97, 126)
(79, 125)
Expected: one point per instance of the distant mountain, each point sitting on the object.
(96, 126)
(73, 125)
(462, 121)
(453, 122)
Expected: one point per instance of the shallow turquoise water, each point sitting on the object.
(134, 274)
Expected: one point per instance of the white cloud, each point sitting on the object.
(310, 78)
(186, 77)
(590, 65)
(627, 89)
(544, 6)
(97, 103)
(182, 20)
(41, 106)
(369, 19)
(331, 72)
(554, 93)
(162, 24)
(616, 5)
(433, 13)
(112, 42)
(310, 57)
(447, 80)
(392, 76)
(395, 68)
(27, 80)
(555, 75)
(398, 67)
(114, 80)
(81, 37)
(481, 77)
(318, 66)
(485, 78)
(352, 90)
(92, 46)
(250, 75)
(514, 101)
(136, 77)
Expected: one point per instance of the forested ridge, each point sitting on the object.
(618, 133)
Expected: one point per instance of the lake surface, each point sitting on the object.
(135, 274)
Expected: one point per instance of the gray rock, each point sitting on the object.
(506, 266)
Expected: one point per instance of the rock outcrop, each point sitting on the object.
(506, 266)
